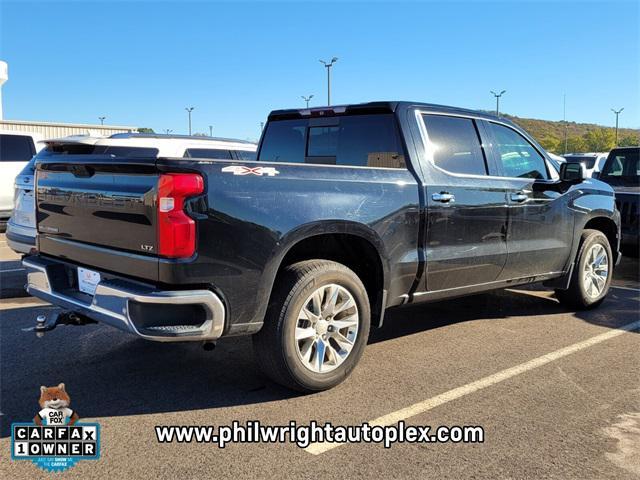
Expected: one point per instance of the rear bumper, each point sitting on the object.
(128, 305)
(20, 239)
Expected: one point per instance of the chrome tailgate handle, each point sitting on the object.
(443, 197)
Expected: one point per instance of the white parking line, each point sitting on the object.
(421, 407)
(25, 302)
(626, 288)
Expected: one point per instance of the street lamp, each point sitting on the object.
(167, 131)
(564, 120)
(498, 95)
(101, 120)
(306, 99)
(617, 112)
(189, 110)
(328, 66)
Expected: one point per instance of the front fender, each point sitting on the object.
(593, 204)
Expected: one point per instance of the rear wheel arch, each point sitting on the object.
(357, 252)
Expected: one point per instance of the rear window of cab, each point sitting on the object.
(355, 140)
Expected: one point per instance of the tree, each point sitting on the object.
(600, 140)
(629, 141)
(576, 145)
(146, 130)
(550, 143)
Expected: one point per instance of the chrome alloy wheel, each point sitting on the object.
(327, 328)
(596, 270)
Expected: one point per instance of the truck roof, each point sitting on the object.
(379, 107)
(160, 136)
(636, 147)
(167, 145)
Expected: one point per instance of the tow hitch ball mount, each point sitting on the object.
(65, 318)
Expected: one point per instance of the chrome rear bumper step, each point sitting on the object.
(114, 298)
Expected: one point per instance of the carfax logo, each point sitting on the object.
(55, 441)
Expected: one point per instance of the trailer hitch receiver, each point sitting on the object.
(65, 318)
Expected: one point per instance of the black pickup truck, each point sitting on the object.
(348, 211)
(622, 172)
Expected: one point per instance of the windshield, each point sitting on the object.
(622, 165)
(587, 161)
(56, 149)
(65, 149)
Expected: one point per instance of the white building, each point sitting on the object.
(57, 130)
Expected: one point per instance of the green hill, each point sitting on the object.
(581, 137)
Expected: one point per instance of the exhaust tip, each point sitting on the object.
(209, 346)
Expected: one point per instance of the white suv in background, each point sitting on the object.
(593, 162)
(21, 229)
(16, 149)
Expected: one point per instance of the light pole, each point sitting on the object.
(564, 119)
(498, 95)
(189, 110)
(101, 120)
(211, 130)
(167, 131)
(617, 112)
(328, 66)
(306, 99)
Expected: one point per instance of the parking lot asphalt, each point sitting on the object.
(557, 392)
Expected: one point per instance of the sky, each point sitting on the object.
(141, 63)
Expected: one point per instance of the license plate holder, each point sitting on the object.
(88, 281)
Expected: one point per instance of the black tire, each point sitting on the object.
(576, 296)
(275, 345)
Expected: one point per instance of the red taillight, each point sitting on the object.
(176, 230)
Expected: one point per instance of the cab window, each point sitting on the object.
(213, 153)
(516, 155)
(351, 140)
(16, 148)
(455, 145)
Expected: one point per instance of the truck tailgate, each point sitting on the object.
(90, 208)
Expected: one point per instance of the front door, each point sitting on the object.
(540, 227)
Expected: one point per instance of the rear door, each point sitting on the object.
(466, 208)
(540, 223)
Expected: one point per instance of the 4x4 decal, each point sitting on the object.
(259, 171)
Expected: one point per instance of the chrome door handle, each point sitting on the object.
(443, 197)
(519, 197)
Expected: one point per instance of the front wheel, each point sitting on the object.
(592, 273)
(316, 326)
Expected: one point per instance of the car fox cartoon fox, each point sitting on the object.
(55, 402)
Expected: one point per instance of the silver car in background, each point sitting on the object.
(593, 162)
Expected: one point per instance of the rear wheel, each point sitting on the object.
(316, 326)
(592, 272)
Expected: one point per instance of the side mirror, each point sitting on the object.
(572, 172)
